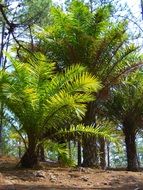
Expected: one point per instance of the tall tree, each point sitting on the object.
(42, 100)
(126, 107)
(3, 47)
(16, 20)
(96, 41)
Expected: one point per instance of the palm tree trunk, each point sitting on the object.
(90, 155)
(131, 151)
(2, 66)
(1, 129)
(41, 153)
(30, 157)
(90, 151)
(102, 153)
(1, 139)
(79, 153)
(70, 151)
(108, 154)
(19, 149)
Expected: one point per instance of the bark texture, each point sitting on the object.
(79, 154)
(131, 151)
(90, 155)
(102, 153)
(90, 151)
(108, 155)
(30, 157)
(41, 153)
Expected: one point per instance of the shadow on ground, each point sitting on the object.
(22, 179)
(40, 187)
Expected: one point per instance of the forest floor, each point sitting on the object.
(47, 177)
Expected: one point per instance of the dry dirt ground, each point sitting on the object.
(53, 178)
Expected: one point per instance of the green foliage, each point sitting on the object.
(81, 132)
(59, 151)
(93, 39)
(45, 102)
(29, 11)
(42, 100)
(126, 99)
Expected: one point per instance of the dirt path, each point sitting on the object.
(66, 178)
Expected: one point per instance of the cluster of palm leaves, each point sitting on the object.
(95, 40)
(43, 102)
(57, 96)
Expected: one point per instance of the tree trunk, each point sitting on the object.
(1, 123)
(70, 151)
(30, 157)
(41, 153)
(108, 155)
(4, 43)
(102, 153)
(79, 154)
(19, 149)
(130, 140)
(90, 156)
(1, 139)
(90, 151)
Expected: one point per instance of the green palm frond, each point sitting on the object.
(92, 39)
(80, 131)
(42, 99)
(126, 98)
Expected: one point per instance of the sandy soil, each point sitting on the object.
(53, 178)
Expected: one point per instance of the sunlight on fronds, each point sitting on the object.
(41, 98)
(81, 131)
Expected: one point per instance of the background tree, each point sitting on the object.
(96, 38)
(125, 106)
(42, 100)
(96, 41)
(16, 21)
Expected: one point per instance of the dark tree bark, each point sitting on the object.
(19, 149)
(79, 154)
(102, 153)
(30, 157)
(131, 151)
(90, 151)
(108, 155)
(69, 148)
(2, 66)
(1, 129)
(41, 153)
(0, 139)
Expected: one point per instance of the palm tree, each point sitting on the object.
(126, 107)
(96, 41)
(41, 100)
